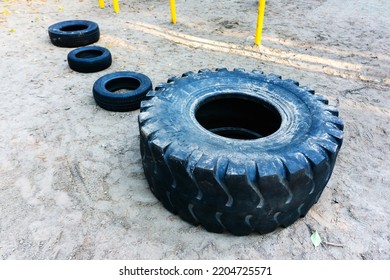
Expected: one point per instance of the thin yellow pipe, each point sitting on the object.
(173, 10)
(101, 4)
(260, 20)
(116, 6)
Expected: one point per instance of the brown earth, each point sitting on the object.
(71, 179)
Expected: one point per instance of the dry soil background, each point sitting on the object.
(71, 180)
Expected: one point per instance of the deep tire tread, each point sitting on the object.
(200, 188)
(219, 175)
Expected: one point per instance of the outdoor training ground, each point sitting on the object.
(71, 179)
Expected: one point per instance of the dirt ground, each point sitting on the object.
(71, 178)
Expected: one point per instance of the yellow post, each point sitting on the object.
(116, 6)
(260, 20)
(173, 10)
(101, 4)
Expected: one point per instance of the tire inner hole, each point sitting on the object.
(238, 117)
(123, 85)
(74, 27)
(89, 54)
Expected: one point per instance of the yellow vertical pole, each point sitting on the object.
(260, 20)
(173, 10)
(101, 4)
(116, 6)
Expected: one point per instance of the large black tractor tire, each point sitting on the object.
(238, 151)
(74, 33)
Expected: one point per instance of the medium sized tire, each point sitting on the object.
(89, 59)
(121, 91)
(74, 33)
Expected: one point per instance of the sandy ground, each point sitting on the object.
(71, 179)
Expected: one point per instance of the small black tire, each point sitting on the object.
(74, 33)
(237, 151)
(89, 59)
(121, 91)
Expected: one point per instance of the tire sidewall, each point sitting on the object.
(298, 121)
(100, 88)
(56, 28)
(74, 38)
(89, 64)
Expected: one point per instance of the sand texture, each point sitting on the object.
(71, 179)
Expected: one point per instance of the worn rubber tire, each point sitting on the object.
(74, 33)
(89, 59)
(237, 151)
(136, 86)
